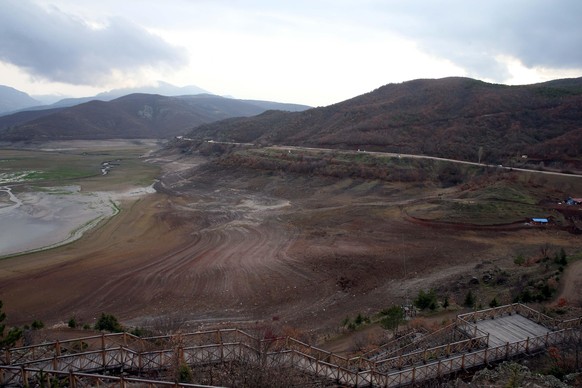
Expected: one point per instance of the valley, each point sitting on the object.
(224, 244)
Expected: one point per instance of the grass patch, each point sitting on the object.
(78, 167)
(500, 202)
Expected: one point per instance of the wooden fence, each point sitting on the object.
(78, 361)
(523, 310)
(28, 377)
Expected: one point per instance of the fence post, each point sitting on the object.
(58, 348)
(139, 362)
(122, 358)
(103, 358)
(72, 382)
(23, 376)
(507, 350)
(7, 355)
(180, 354)
(527, 345)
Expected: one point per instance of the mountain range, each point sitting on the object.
(454, 117)
(132, 116)
(13, 100)
(450, 117)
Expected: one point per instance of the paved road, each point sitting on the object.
(397, 155)
(413, 156)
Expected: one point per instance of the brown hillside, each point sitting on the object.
(450, 117)
(132, 116)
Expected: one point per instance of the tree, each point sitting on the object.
(393, 317)
(426, 300)
(469, 299)
(13, 335)
(563, 258)
(184, 373)
(494, 303)
(108, 322)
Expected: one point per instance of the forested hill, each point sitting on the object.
(449, 117)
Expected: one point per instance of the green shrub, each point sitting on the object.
(184, 373)
(446, 302)
(108, 322)
(393, 317)
(426, 300)
(14, 334)
(469, 300)
(519, 260)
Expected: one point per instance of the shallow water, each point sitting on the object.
(39, 219)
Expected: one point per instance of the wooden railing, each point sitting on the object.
(74, 367)
(73, 359)
(392, 346)
(29, 377)
(523, 310)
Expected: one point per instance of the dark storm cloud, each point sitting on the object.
(60, 47)
(545, 33)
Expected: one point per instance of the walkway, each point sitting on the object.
(511, 328)
(475, 339)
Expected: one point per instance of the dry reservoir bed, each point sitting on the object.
(244, 246)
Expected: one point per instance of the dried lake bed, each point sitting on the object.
(51, 193)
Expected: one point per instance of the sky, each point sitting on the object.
(313, 52)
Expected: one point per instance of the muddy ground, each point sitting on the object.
(241, 246)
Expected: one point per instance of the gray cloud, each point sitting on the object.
(60, 47)
(546, 33)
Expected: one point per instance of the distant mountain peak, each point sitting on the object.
(13, 99)
(162, 88)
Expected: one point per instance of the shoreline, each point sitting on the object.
(43, 220)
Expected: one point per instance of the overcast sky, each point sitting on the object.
(315, 52)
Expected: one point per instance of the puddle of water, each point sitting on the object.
(54, 216)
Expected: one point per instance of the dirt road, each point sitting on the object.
(571, 289)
